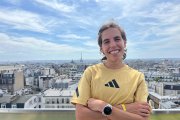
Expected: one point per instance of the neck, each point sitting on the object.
(114, 65)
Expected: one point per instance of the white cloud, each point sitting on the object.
(152, 27)
(73, 36)
(15, 2)
(164, 47)
(157, 31)
(122, 8)
(23, 20)
(34, 44)
(57, 5)
(37, 48)
(91, 43)
(166, 10)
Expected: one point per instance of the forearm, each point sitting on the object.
(136, 108)
(118, 114)
(84, 113)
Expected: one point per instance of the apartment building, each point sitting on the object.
(57, 98)
(11, 80)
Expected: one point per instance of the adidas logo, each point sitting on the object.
(112, 83)
(77, 92)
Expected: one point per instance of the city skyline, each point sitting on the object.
(62, 30)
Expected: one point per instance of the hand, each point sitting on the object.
(96, 104)
(140, 108)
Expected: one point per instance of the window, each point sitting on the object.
(35, 100)
(3, 105)
(57, 101)
(47, 101)
(10, 81)
(14, 106)
(53, 101)
(62, 100)
(39, 99)
(67, 101)
(3, 81)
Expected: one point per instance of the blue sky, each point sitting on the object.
(62, 29)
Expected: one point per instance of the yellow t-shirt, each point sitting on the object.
(124, 85)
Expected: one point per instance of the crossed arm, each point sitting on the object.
(135, 111)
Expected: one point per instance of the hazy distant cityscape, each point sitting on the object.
(51, 84)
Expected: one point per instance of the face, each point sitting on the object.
(112, 44)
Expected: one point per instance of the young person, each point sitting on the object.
(111, 89)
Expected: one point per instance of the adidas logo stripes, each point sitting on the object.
(77, 92)
(112, 83)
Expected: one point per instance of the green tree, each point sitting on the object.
(157, 79)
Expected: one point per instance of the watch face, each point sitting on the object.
(107, 110)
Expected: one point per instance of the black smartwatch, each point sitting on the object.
(107, 110)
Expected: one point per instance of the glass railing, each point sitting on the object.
(69, 114)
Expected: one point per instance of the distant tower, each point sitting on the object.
(81, 60)
(72, 61)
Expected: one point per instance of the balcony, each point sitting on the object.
(69, 114)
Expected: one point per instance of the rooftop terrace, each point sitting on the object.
(69, 114)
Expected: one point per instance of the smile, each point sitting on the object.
(114, 52)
